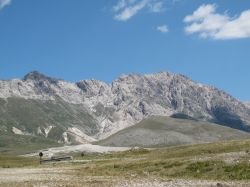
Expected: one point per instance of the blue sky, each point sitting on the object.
(208, 40)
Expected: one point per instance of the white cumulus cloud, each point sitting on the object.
(206, 22)
(163, 28)
(126, 9)
(4, 3)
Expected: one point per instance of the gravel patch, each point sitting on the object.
(66, 176)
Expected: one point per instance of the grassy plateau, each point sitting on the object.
(227, 161)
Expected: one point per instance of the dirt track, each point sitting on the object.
(66, 176)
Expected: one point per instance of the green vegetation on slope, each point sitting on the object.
(23, 144)
(29, 115)
(161, 131)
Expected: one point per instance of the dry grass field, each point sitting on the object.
(214, 164)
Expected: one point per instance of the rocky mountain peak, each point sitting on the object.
(131, 98)
(37, 76)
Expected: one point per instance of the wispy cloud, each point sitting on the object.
(126, 9)
(157, 6)
(4, 3)
(163, 28)
(130, 8)
(209, 24)
(122, 4)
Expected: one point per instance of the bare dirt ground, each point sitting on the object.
(66, 176)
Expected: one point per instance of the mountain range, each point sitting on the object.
(89, 110)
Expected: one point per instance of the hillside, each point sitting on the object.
(161, 131)
(89, 110)
(19, 144)
(56, 120)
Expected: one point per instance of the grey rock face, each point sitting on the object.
(131, 98)
(39, 77)
(247, 104)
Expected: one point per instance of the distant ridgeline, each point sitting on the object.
(39, 108)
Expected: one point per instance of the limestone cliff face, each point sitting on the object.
(126, 101)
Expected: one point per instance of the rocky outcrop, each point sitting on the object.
(133, 97)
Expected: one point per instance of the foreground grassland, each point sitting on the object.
(7, 161)
(224, 162)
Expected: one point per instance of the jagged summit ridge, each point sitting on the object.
(37, 76)
(131, 98)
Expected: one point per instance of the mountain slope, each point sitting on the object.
(55, 120)
(164, 131)
(89, 110)
(20, 144)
